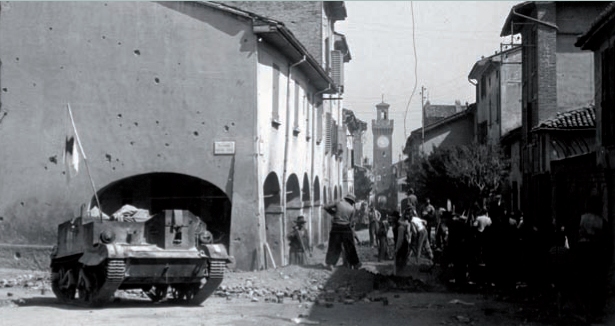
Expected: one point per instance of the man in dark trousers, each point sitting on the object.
(341, 234)
(299, 243)
(374, 220)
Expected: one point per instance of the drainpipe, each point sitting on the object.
(314, 119)
(534, 20)
(286, 145)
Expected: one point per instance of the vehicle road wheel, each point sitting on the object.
(157, 292)
(61, 283)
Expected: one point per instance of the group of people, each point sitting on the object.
(485, 245)
(410, 234)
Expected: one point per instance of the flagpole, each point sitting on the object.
(85, 160)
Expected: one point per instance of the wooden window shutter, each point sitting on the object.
(337, 68)
(328, 132)
(275, 90)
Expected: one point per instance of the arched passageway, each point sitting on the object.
(308, 213)
(317, 213)
(274, 247)
(326, 218)
(294, 206)
(161, 191)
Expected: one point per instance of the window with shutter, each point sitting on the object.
(319, 124)
(307, 108)
(275, 91)
(328, 132)
(297, 96)
(333, 137)
(337, 67)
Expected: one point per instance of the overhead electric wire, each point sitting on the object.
(415, 72)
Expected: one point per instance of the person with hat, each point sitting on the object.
(341, 234)
(299, 243)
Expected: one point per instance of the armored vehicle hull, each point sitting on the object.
(163, 255)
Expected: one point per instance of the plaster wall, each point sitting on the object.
(460, 132)
(575, 80)
(510, 79)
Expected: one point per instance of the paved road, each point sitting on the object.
(30, 307)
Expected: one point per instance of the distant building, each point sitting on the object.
(498, 94)
(498, 111)
(456, 129)
(356, 131)
(385, 181)
(436, 112)
(556, 77)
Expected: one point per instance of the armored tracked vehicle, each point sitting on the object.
(170, 251)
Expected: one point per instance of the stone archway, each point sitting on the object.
(161, 191)
(326, 218)
(306, 199)
(317, 212)
(294, 206)
(273, 220)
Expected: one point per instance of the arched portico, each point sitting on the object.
(161, 191)
(293, 206)
(273, 219)
(306, 200)
(326, 218)
(317, 213)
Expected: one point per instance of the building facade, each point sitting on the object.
(498, 112)
(240, 133)
(456, 129)
(556, 77)
(599, 38)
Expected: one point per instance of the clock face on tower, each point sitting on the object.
(382, 141)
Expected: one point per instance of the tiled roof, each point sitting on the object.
(584, 118)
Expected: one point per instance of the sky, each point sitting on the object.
(448, 37)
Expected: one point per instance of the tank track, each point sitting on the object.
(114, 275)
(216, 275)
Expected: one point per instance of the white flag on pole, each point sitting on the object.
(71, 150)
(71, 157)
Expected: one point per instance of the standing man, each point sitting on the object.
(299, 243)
(413, 201)
(429, 215)
(403, 236)
(420, 238)
(341, 234)
(374, 220)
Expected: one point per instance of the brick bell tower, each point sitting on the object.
(382, 129)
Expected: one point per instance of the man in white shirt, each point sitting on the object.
(420, 238)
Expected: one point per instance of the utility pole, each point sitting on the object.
(423, 120)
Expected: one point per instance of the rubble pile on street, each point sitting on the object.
(301, 284)
(34, 281)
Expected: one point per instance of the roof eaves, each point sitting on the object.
(524, 7)
(586, 40)
(444, 121)
(294, 43)
(264, 26)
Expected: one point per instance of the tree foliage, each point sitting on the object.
(464, 173)
(362, 183)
